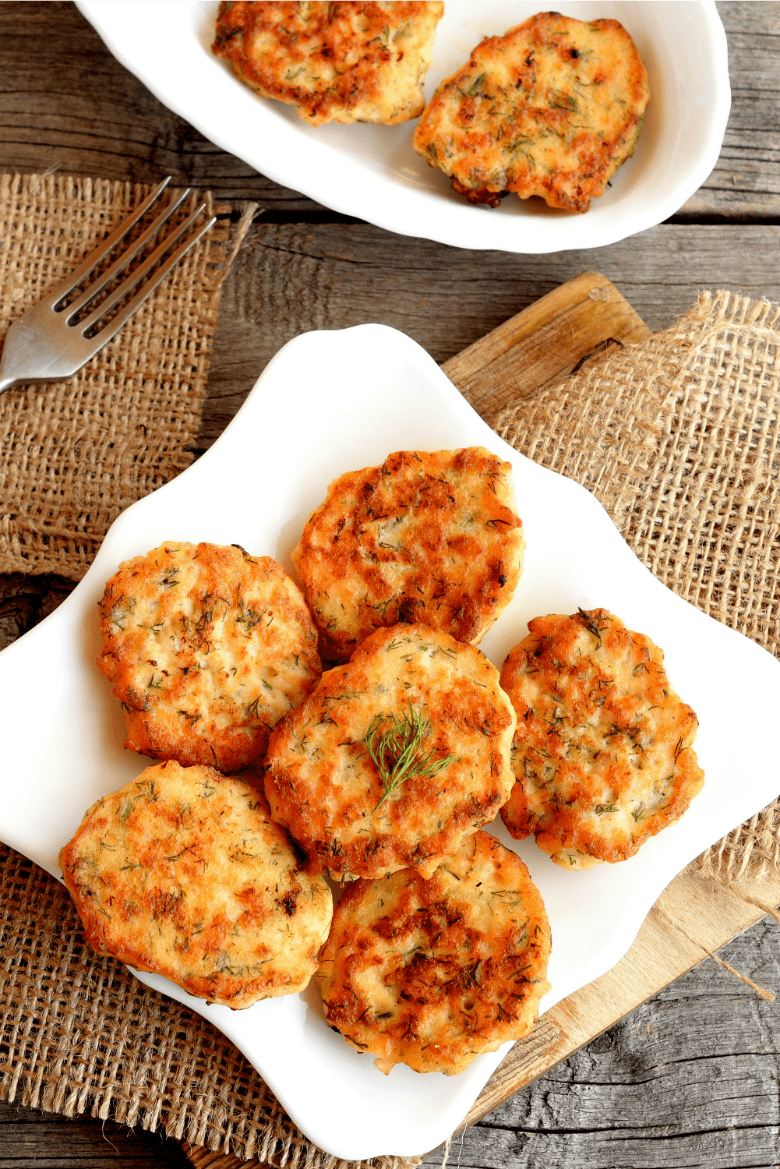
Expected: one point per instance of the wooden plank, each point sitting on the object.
(692, 919)
(105, 122)
(49, 1141)
(687, 1081)
(746, 181)
(544, 344)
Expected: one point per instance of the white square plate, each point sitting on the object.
(330, 402)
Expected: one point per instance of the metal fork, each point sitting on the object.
(53, 339)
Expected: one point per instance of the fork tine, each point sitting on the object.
(105, 334)
(86, 266)
(46, 345)
(124, 258)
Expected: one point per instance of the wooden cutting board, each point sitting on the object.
(695, 916)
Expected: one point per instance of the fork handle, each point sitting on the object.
(5, 382)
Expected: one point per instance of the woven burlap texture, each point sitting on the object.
(77, 453)
(78, 1033)
(679, 439)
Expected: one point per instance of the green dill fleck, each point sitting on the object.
(248, 618)
(191, 716)
(395, 745)
(121, 610)
(563, 101)
(591, 625)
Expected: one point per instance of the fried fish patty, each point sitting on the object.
(207, 647)
(602, 752)
(429, 536)
(333, 62)
(395, 757)
(552, 108)
(432, 973)
(183, 873)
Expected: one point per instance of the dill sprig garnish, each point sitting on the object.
(395, 745)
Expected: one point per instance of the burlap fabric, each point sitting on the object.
(77, 1033)
(77, 453)
(678, 438)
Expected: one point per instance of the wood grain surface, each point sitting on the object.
(690, 1078)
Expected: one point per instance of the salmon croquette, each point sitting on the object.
(602, 755)
(183, 873)
(551, 108)
(429, 536)
(333, 62)
(395, 757)
(207, 647)
(430, 973)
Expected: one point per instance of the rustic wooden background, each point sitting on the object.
(691, 1078)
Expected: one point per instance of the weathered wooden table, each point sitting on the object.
(690, 1078)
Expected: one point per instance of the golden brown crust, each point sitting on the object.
(432, 973)
(552, 108)
(325, 787)
(183, 873)
(429, 536)
(602, 752)
(207, 647)
(333, 62)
